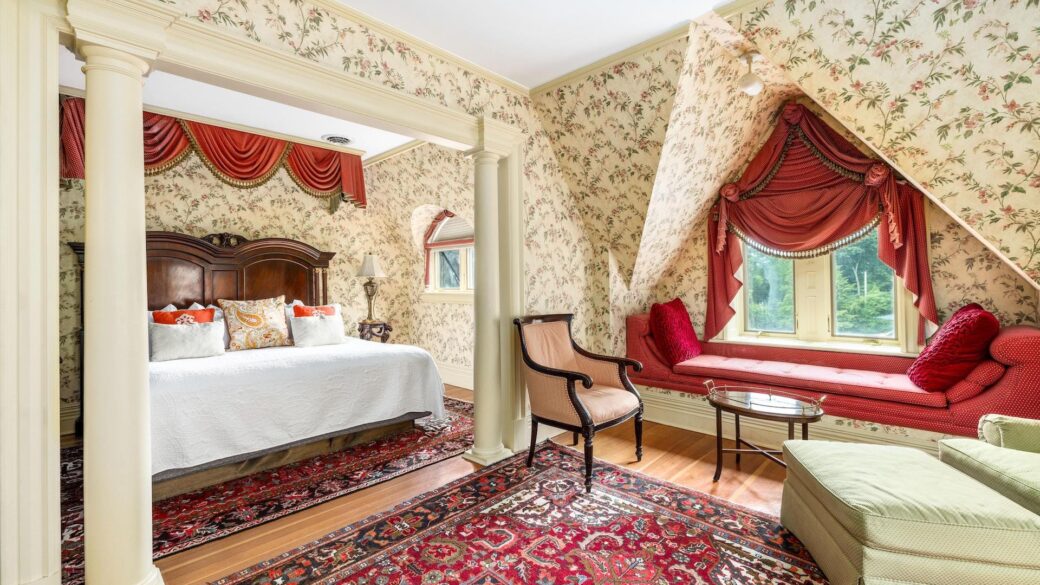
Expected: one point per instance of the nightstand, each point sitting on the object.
(369, 329)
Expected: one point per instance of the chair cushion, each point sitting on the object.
(673, 331)
(903, 500)
(606, 403)
(1013, 473)
(824, 379)
(954, 351)
(549, 344)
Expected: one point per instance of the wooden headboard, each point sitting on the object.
(183, 269)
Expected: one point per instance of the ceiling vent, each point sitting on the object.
(336, 139)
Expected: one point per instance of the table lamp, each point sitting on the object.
(371, 269)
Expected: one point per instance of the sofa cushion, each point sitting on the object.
(823, 379)
(903, 500)
(983, 376)
(1013, 473)
(954, 351)
(673, 331)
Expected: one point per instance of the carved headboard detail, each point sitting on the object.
(183, 269)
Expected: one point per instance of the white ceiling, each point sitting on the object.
(534, 41)
(194, 98)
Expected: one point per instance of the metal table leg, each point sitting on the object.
(718, 444)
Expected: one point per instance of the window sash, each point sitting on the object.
(466, 279)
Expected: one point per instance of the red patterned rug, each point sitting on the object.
(198, 517)
(510, 525)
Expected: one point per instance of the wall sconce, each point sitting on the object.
(750, 83)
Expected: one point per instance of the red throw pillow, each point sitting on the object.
(954, 351)
(673, 332)
(183, 317)
(305, 311)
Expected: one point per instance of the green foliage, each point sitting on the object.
(864, 300)
(770, 292)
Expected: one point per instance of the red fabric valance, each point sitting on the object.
(808, 191)
(241, 159)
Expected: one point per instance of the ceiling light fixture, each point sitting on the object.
(336, 139)
(750, 83)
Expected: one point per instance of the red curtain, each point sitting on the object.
(238, 158)
(73, 115)
(165, 143)
(809, 190)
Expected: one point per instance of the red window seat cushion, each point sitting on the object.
(825, 379)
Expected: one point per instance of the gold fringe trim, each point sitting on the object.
(825, 249)
(231, 180)
(303, 186)
(155, 170)
(796, 132)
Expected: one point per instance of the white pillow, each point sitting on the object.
(151, 318)
(218, 316)
(290, 313)
(195, 340)
(317, 330)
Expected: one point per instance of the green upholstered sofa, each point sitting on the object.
(885, 515)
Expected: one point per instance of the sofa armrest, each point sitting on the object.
(1011, 432)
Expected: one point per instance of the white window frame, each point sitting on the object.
(463, 294)
(813, 288)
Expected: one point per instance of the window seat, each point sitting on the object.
(858, 386)
(826, 379)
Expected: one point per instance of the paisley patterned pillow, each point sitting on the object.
(256, 324)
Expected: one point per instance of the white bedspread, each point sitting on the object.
(210, 409)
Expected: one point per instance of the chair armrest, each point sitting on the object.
(1022, 434)
(585, 380)
(621, 361)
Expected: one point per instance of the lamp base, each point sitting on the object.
(371, 287)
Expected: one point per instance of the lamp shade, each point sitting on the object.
(370, 267)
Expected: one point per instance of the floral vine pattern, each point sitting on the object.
(190, 199)
(961, 115)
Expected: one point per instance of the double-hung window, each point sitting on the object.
(846, 298)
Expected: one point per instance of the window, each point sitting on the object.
(848, 298)
(450, 260)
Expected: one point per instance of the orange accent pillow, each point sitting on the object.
(305, 311)
(183, 317)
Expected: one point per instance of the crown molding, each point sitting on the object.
(396, 151)
(72, 91)
(225, 59)
(387, 29)
(650, 44)
(728, 9)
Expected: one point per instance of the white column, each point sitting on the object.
(117, 438)
(487, 400)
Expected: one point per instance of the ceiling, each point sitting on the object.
(534, 41)
(194, 98)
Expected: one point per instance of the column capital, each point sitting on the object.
(496, 138)
(134, 27)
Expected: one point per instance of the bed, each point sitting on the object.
(225, 416)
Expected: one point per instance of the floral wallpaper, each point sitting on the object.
(190, 199)
(944, 89)
(607, 130)
(557, 248)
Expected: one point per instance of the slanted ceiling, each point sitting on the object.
(944, 91)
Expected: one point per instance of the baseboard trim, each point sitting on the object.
(68, 415)
(456, 375)
(692, 412)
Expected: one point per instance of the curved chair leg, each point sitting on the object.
(589, 434)
(534, 439)
(639, 435)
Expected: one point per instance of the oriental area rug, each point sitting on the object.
(508, 524)
(198, 517)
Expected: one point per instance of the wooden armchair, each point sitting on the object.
(574, 389)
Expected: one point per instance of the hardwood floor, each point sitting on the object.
(682, 457)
